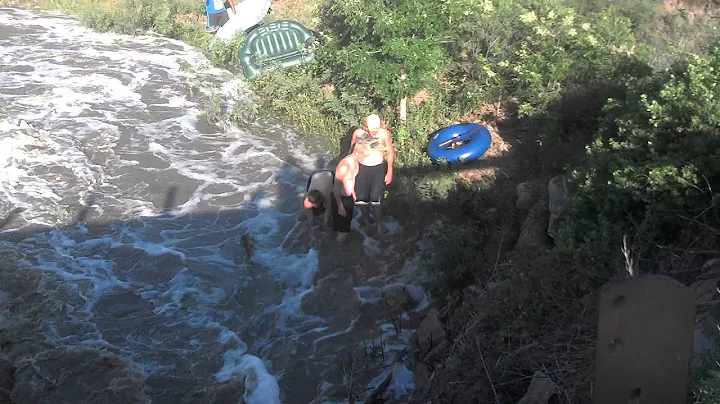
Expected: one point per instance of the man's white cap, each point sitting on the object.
(373, 122)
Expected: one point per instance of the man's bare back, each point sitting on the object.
(348, 169)
(344, 190)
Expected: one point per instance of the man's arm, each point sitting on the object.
(340, 174)
(327, 200)
(389, 157)
(307, 211)
(353, 140)
(232, 5)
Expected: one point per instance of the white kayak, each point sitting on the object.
(248, 13)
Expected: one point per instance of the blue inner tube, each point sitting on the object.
(475, 138)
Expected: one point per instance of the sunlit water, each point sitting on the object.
(113, 187)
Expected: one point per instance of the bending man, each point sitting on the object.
(319, 196)
(376, 169)
(344, 191)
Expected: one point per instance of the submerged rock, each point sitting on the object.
(78, 376)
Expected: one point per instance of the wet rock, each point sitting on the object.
(422, 378)
(333, 295)
(558, 194)
(121, 305)
(398, 301)
(437, 353)
(533, 234)
(542, 390)
(77, 375)
(376, 397)
(431, 333)
(526, 195)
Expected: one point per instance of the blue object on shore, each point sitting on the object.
(459, 143)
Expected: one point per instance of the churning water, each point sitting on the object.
(114, 193)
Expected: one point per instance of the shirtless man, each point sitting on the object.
(319, 196)
(376, 169)
(344, 191)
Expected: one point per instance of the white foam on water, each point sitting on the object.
(260, 386)
(401, 382)
(111, 127)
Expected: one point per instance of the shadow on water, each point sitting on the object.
(305, 350)
(166, 304)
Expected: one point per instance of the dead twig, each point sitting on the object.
(701, 224)
(688, 251)
(629, 259)
(487, 372)
(497, 258)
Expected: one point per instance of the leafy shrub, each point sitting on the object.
(534, 50)
(706, 383)
(654, 159)
(368, 45)
(455, 266)
(296, 96)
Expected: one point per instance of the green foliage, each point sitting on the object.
(133, 16)
(706, 384)
(294, 95)
(370, 44)
(534, 50)
(225, 54)
(654, 159)
(454, 265)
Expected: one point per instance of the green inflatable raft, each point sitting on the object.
(279, 44)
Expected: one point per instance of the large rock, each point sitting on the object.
(431, 333)
(533, 234)
(558, 194)
(526, 196)
(333, 296)
(542, 390)
(77, 375)
(644, 341)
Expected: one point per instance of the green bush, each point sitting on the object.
(706, 383)
(655, 159)
(535, 50)
(296, 96)
(368, 45)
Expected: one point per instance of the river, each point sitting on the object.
(127, 278)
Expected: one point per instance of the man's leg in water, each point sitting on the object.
(362, 191)
(379, 219)
(341, 224)
(377, 190)
(365, 210)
